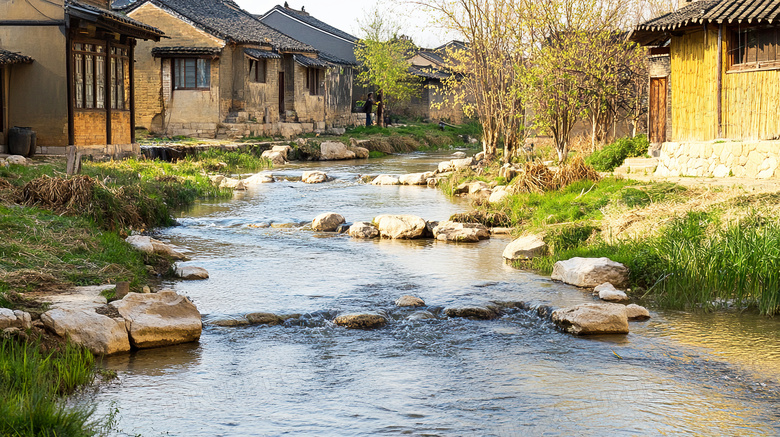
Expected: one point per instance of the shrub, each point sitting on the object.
(612, 155)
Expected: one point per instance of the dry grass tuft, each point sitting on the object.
(63, 195)
(538, 178)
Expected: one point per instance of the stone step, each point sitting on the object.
(638, 166)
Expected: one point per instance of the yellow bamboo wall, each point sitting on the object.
(694, 82)
(750, 99)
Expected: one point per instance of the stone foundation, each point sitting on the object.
(720, 158)
(115, 151)
(244, 127)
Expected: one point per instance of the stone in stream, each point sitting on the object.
(637, 313)
(421, 315)
(525, 247)
(335, 150)
(150, 245)
(101, 334)
(385, 179)
(277, 157)
(159, 319)
(327, 222)
(460, 232)
(592, 318)
(230, 322)
(191, 273)
(459, 155)
(415, 178)
(264, 319)
(400, 226)
(258, 179)
(590, 272)
(360, 321)
(363, 230)
(409, 301)
(314, 177)
(609, 293)
(478, 313)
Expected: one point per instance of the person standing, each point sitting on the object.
(368, 108)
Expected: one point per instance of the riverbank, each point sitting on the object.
(708, 244)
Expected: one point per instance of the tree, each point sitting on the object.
(383, 53)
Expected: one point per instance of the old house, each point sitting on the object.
(434, 67)
(222, 72)
(334, 45)
(721, 91)
(79, 90)
(8, 60)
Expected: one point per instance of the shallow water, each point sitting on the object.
(680, 373)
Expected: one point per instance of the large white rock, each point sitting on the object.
(7, 318)
(191, 273)
(459, 164)
(592, 318)
(526, 247)
(233, 184)
(141, 242)
(23, 319)
(16, 159)
(314, 177)
(400, 226)
(360, 152)
(102, 335)
(636, 312)
(459, 155)
(385, 179)
(499, 194)
(609, 293)
(590, 272)
(276, 157)
(460, 232)
(159, 319)
(283, 149)
(445, 166)
(258, 179)
(334, 150)
(327, 222)
(416, 178)
(363, 230)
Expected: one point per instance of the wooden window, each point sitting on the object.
(89, 76)
(257, 70)
(191, 74)
(755, 48)
(120, 73)
(313, 76)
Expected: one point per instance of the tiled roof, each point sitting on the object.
(7, 58)
(112, 16)
(716, 11)
(159, 52)
(225, 19)
(311, 21)
(311, 62)
(327, 57)
(428, 72)
(262, 54)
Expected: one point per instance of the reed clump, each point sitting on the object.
(536, 177)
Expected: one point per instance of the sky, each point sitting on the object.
(345, 15)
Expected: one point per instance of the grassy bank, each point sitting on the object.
(33, 383)
(685, 247)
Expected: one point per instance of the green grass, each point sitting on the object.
(32, 386)
(428, 136)
(697, 262)
(612, 155)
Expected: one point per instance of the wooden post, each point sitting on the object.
(720, 80)
(74, 161)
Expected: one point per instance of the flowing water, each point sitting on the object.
(423, 373)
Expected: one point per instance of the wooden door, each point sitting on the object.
(281, 95)
(658, 114)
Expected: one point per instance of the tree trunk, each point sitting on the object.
(380, 109)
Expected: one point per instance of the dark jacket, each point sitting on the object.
(369, 105)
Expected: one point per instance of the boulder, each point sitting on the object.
(421, 315)
(590, 272)
(409, 301)
(360, 321)
(460, 232)
(230, 322)
(592, 318)
(283, 149)
(166, 249)
(499, 194)
(314, 177)
(459, 155)
(477, 186)
(445, 166)
(479, 156)
(276, 157)
(400, 226)
(360, 152)
(637, 313)
(101, 334)
(264, 319)
(609, 293)
(363, 230)
(233, 184)
(191, 272)
(159, 319)
(525, 247)
(16, 159)
(415, 178)
(258, 179)
(334, 150)
(327, 222)
(461, 164)
(7, 318)
(385, 179)
(478, 313)
(23, 319)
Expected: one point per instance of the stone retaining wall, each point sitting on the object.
(720, 158)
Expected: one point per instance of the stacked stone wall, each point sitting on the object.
(751, 159)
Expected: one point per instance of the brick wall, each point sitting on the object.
(89, 128)
(120, 127)
(308, 108)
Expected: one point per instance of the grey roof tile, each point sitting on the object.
(7, 58)
(308, 19)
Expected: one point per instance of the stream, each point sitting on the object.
(679, 373)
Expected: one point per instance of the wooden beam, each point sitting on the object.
(719, 91)
(107, 90)
(70, 79)
(131, 72)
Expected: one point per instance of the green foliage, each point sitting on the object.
(376, 154)
(212, 159)
(633, 197)
(32, 383)
(612, 155)
(568, 237)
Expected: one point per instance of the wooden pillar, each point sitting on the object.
(107, 88)
(69, 77)
(131, 73)
(720, 81)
